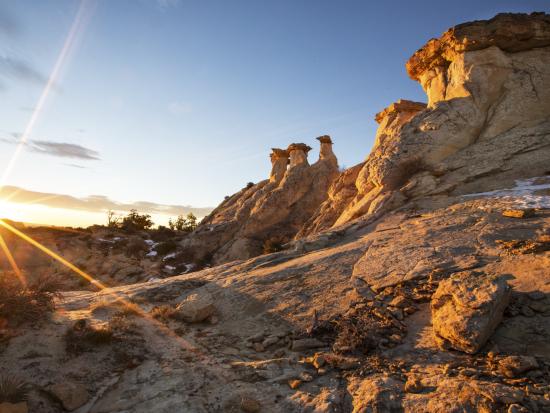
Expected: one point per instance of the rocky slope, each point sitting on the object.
(419, 280)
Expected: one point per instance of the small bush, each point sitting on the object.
(20, 303)
(166, 247)
(136, 221)
(163, 312)
(272, 245)
(136, 247)
(83, 337)
(12, 390)
(249, 185)
(185, 224)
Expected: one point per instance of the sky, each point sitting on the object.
(167, 105)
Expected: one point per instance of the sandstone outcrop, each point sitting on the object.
(467, 308)
(487, 122)
(272, 210)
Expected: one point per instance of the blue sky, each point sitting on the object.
(181, 101)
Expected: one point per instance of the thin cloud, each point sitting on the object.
(95, 203)
(179, 108)
(64, 150)
(21, 70)
(167, 4)
(58, 149)
(74, 165)
(8, 25)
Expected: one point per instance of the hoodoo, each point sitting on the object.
(269, 212)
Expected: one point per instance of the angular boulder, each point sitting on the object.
(467, 308)
(195, 308)
(71, 395)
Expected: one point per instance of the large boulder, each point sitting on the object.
(466, 309)
(195, 308)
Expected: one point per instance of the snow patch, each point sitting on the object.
(523, 194)
(151, 254)
(169, 256)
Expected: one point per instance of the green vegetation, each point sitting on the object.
(185, 224)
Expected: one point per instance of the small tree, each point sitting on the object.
(185, 224)
(113, 220)
(135, 220)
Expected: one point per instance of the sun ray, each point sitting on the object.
(132, 306)
(12, 261)
(52, 81)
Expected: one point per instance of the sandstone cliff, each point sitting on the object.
(270, 211)
(487, 122)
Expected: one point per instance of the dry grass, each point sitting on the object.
(163, 312)
(83, 337)
(12, 390)
(19, 303)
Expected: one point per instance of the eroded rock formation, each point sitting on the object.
(270, 211)
(487, 122)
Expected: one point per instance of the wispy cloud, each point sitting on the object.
(8, 24)
(64, 150)
(74, 165)
(179, 108)
(94, 203)
(58, 149)
(20, 69)
(166, 4)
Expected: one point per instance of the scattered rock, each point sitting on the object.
(306, 344)
(71, 395)
(466, 309)
(294, 384)
(413, 384)
(519, 213)
(378, 394)
(250, 405)
(513, 366)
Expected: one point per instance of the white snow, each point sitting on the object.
(153, 279)
(151, 254)
(523, 194)
(169, 268)
(149, 242)
(169, 256)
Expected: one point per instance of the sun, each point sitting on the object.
(11, 211)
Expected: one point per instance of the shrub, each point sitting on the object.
(12, 390)
(136, 221)
(272, 245)
(249, 185)
(20, 303)
(186, 224)
(166, 247)
(163, 312)
(135, 247)
(83, 337)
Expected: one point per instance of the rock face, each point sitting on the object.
(272, 210)
(467, 308)
(486, 124)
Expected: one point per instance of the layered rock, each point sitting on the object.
(272, 210)
(487, 122)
